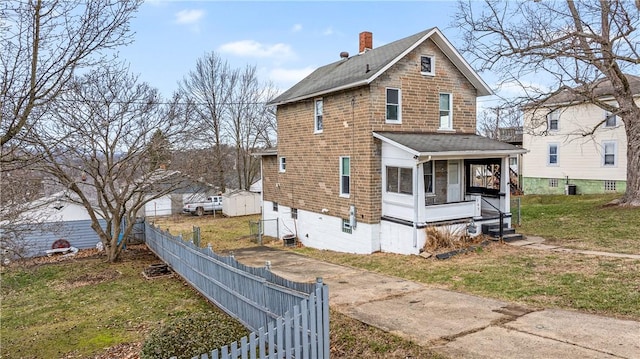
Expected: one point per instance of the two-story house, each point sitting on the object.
(575, 146)
(377, 146)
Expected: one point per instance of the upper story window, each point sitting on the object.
(552, 159)
(317, 122)
(427, 65)
(345, 176)
(282, 164)
(393, 105)
(609, 153)
(400, 180)
(553, 120)
(446, 117)
(610, 119)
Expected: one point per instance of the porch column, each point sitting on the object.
(505, 202)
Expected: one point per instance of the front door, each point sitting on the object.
(453, 182)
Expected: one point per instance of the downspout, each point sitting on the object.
(415, 199)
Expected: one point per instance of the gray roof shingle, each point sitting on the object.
(362, 68)
(447, 143)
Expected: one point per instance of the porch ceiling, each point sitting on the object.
(447, 144)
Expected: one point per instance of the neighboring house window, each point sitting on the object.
(428, 177)
(552, 160)
(283, 164)
(446, 122)
(609, 153)
(553, 120)
(553, 182)
(427, 65)
(275, 206)
(345, 176)
(609, 185)
(317, 125)
(513, 161)
(346, 226)
(393, 105)
(294, 213)
(400, 180)
(610, 119)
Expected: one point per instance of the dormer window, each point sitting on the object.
(427, 65)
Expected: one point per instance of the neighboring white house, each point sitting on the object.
(49, 219)
(186, 190)
(241, 203)
(565, 157)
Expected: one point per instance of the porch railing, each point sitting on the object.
(453, 210)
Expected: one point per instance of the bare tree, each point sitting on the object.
(96, 142)
(208, 87)
(248, 123)
(578, 44)
(493, 119)
(42, 44)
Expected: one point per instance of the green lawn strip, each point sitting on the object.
(582, 222)
(608, 286)
(85, 306)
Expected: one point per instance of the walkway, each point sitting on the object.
(533, 242)
(455, 324)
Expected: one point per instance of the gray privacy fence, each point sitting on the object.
(288, 319)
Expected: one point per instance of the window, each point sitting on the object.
(553, 120)
(345, 176)
(400, 180)
(446, 122)
(483, 176)
(609, 185)
(610, 119)
(427, 65)
(346, 226)
(427, 168)
(513, 161)
(282, 164)
(317, 123)
(609, 153)
(393, 105)
(552, 160)
(275, 206)
(553, 182)
(294, 213)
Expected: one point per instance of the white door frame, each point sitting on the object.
(454, 183)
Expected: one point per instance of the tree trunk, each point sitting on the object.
(632, 127)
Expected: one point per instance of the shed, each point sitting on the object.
(47, 220)
(241, 203)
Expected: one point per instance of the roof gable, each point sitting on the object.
(363, 68)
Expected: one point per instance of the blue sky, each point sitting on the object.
(284, 40)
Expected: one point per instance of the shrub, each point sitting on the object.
(193, 335)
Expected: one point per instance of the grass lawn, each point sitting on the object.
(582, 222)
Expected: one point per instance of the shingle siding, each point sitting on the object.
(312, 178)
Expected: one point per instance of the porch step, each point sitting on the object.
(508, 234)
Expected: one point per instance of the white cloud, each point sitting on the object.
(189, 17)
(296, 28)
(289, 77)
(251, 48)
(328, 31)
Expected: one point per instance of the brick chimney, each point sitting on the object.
(366, 41)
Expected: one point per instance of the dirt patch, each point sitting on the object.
(88, 279)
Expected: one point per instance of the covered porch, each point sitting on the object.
(432, 179)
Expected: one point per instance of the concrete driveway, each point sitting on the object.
(455, 324)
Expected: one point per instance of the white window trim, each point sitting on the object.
(282, 164)
(433, 65)
(555, 113)
(615, 153)
(386, 103)
(342, 194)
(549, 154)
(433, 178)
(315, 115)
(606, 115)
(450, 124)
